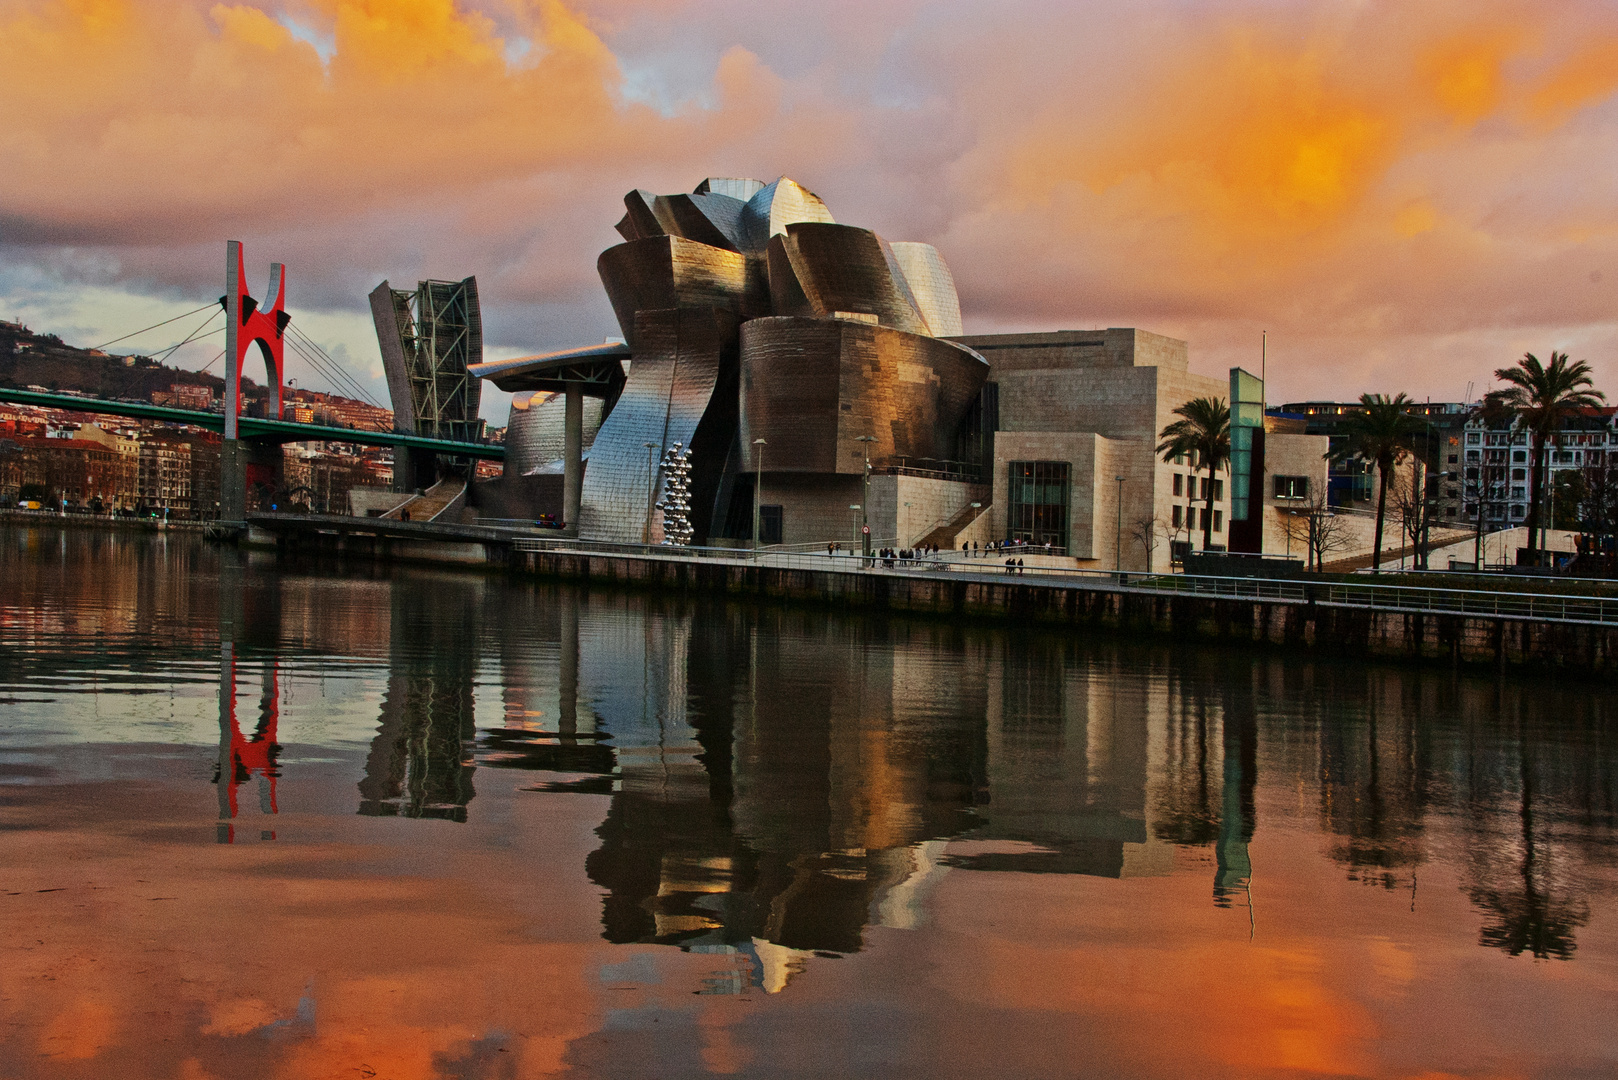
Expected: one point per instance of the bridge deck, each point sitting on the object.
(377, 526)
(254, 429)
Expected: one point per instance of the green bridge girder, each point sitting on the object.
(254, 429)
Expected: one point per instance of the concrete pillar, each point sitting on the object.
(572, 457)
(232, 481)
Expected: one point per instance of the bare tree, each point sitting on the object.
(1147, 531)
(1318, 529)
(1407, 497)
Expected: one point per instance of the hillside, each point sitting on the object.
(30, 359)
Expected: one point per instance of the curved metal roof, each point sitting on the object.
(597, 368)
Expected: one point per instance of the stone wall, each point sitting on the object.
(1317, 628)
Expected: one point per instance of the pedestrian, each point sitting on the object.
(1020, 570)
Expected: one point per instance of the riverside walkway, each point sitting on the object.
(1544, 625)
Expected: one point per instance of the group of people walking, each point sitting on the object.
(994, 548)
(892, 557)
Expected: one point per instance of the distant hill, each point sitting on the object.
(30, 359)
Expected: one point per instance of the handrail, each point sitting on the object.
(1539, 607)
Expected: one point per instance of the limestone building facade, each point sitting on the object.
(1077, 411)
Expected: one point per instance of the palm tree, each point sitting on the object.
(1202, 431)
(1542, 397)
(1378, 433)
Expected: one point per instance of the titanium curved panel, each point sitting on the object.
(811, 387)
(672, 272)
(535, 430)
(786, 292)
(774, 207)
(844, 268)
(708, 219)
(740, 188)
(671, 382)
(931, 285)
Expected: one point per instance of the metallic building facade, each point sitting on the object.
(671, 387)
(812, 387)
(932, 286)
(749, 313)
(535, 435)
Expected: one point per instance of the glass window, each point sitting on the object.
(1291, 487)
(1219, 521)
(1219, 490)
(1472, 438)
(1176, 513)
(1039, 497)
(1179, 484)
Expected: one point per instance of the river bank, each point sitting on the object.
(51, 519)
(1499, 628)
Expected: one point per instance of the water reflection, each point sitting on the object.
(242, 757)
(778, 783)
(421, 761)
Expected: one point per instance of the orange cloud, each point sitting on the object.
(1359, 179)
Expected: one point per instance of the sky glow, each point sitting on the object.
(1405, 195)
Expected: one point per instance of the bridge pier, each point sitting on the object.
(232, 483)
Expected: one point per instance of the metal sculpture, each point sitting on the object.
(676, 501)
(248, 323)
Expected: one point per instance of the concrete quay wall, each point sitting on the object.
(1458, 640)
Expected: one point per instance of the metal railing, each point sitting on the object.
(1415, 599)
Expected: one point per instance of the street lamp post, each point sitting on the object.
(865, 516)
(758, 487)
(1118, 540)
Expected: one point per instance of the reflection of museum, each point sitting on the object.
(786, 351)
(776, 825)
(781, 782)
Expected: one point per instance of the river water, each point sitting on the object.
(295, 821)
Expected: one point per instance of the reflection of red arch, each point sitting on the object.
(256, 752)
(249, 324)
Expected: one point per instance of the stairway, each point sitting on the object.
(444, 498)
(943, 535)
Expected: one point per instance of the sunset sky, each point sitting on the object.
(1404, 195)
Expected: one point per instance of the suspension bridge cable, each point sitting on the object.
(359, 389)
(327, 371)
(333, 376)
(154, 326)
(165, 354)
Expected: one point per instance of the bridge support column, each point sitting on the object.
(233, 482)
(572, 457)
(414, 469)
